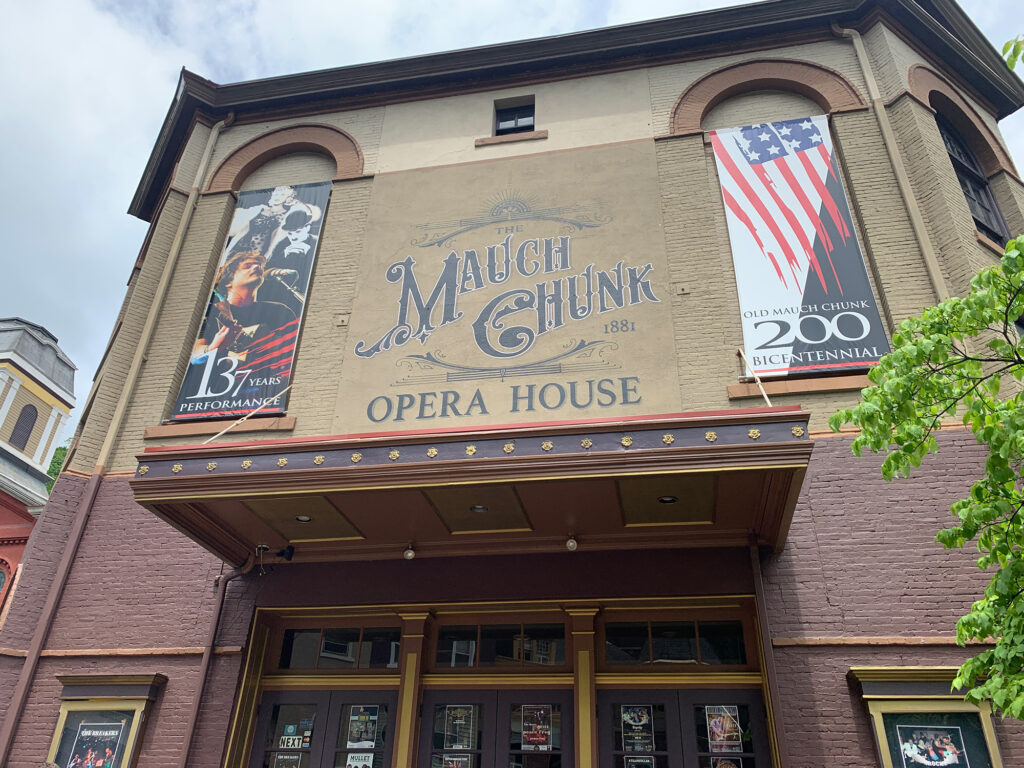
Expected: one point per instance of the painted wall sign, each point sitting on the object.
(805, 299)
(513, 292)
(242, 358)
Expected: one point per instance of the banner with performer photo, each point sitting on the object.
(242, 358)
(805, 300)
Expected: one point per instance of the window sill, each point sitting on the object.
(192, 429)
(799, 386)
(989, 243)
(510, 138)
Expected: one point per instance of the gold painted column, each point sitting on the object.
(584, 691)
(406, 720)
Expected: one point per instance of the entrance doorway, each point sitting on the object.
(496, 729)
(324, 729)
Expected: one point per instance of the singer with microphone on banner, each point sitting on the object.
(240, 319)
(243, 354)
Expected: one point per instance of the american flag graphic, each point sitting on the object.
(793, 247)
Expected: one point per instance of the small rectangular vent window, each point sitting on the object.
(513, 118)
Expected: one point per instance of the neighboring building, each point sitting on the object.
(37, 385)
(508, 496)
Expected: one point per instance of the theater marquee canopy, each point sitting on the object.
(692, 479)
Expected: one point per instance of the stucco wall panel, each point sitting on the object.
(576, 113)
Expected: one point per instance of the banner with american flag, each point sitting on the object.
(241, 361)
(805, 300)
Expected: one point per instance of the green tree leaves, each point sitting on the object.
(59, 454)
(1012, 50)
(964, 359)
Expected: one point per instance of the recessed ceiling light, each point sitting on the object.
(478, 508)
(668, 499)
(304, 518)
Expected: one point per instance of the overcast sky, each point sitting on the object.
(87, 83)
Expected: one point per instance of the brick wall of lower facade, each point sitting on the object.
(860, 562)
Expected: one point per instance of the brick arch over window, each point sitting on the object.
(932, 89)
(322, 139)
(23, 427)
(825, 87)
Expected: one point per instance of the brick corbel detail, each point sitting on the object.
(932, 89)
(825, 87)
(321, 139)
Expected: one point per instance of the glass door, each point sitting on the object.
(456, 729)
(290, 729)
(324, 729)
(535, 729)
(496, 729)
(682, 729)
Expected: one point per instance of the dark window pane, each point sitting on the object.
(499, 645)
(300, 648)
(456, 647)
(340, 648)
(514, 119)
(721, 642)
(626, 644)
(380, 648)
(544, 644)
(674, 642)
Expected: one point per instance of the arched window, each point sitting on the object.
(23, 426)
(974, 183)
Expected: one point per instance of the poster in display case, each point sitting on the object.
(637, 727)
(536, 734)
(362, 726)
(724, 732)
(359, 760)
(460, 726)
